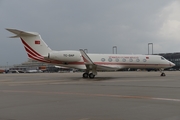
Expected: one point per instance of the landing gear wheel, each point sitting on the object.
(85, 75)
(91, 75)
(163, 74)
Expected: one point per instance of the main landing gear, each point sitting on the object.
(90, 75)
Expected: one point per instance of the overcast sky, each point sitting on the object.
(96, 25)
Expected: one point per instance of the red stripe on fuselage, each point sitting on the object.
(108, 63)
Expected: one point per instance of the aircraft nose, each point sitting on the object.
(172, 64)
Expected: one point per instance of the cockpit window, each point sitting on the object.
(162, 58)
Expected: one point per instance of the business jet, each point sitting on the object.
(38, 50)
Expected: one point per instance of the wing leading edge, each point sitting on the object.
(90, 64)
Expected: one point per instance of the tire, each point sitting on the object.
(85, 75)
(163, 74)
(91, 75)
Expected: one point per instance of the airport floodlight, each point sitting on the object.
(152, 47)
(114, 49)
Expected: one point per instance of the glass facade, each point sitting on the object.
(173, 57)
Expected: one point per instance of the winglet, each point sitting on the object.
(86, 58)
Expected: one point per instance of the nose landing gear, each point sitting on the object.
(162, 72)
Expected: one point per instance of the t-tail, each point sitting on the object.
(35, 47)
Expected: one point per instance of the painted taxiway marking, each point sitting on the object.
(93, 95)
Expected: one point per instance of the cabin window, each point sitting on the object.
(124, 60)
(103, 59)
(110, 59)
(162, 58)
(137, 60)
(117, 60)
(130, 60)
(144, 60)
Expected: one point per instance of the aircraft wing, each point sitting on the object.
(86, 58)
(89, 62)
(104, 67)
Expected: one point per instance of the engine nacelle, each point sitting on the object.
(65, 56)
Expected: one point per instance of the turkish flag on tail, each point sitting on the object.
(37, 42)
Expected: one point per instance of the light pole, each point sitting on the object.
(114, 48)
(148, 47)
(6, 65)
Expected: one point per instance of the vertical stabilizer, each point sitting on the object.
(35, 47)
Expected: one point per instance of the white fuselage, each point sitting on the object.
(120, 61)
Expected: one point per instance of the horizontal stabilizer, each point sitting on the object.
(20, 33)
